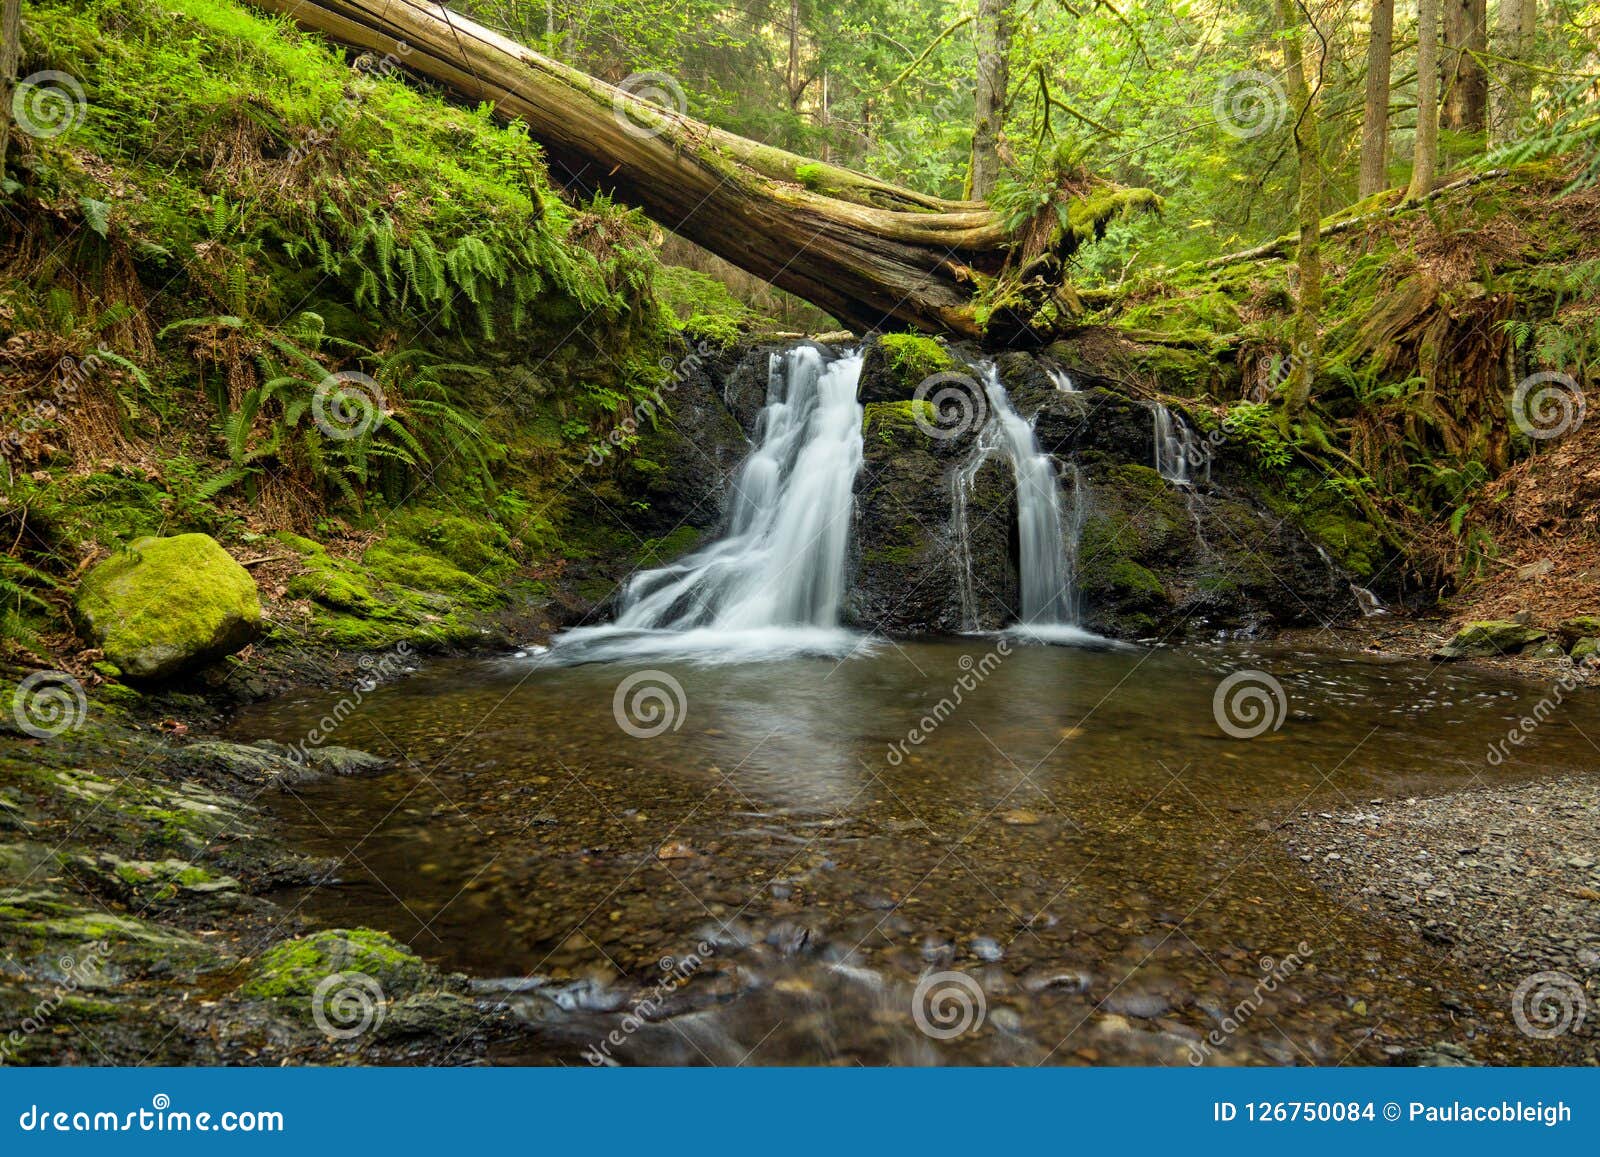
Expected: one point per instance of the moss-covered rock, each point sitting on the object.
(1585, 650)
(1489, 638)
(166, 606)
(897, 363)
(294, 968)
(1578, 627)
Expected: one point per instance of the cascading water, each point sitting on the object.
(1180, 458)
(775, 582)
(1047, 562)
(1060, 380)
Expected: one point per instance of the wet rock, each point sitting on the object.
(987, 948)
(1143, 1004)
(292, 971)
(167, 606)
(1441, 1054)
(587, 995)
(1056, 980)
(1489, 638)
(791, 939)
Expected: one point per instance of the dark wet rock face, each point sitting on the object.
(1153, 558)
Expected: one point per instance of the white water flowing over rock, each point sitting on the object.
(1060, 380)
(1047, 541)
(774, 583)
(1180, 457)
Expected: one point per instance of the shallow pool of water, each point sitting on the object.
(1063, 853)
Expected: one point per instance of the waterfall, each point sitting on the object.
(775, 581)
(1060, 380)
(1180, 457)
(1047, 560)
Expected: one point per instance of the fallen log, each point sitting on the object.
(872, 254)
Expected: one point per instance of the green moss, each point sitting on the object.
(660, 551)
(476, 545)
(1354, 543)
(166, 605)
(400, 562)
(903, 545)
(294, 968)
(890, 422)
(914, 356)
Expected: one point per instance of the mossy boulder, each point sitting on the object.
(897, 363)
(1579, 627)
(1585, 650)
(165, 606)
(295, 968)
(1489, 638)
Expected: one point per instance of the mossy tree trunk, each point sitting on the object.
(1375, 123)
(870, 253)
(1302, 103)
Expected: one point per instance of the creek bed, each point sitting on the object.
(1075, 863)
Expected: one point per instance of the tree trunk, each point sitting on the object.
(1513, 40)
(868, 252)
(1466, 39)
(1375, 125)
(1307, 146)
(792, 76)
(1425, 152)
(10, 50)
(993, 32)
